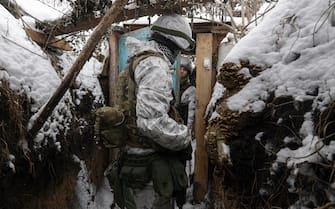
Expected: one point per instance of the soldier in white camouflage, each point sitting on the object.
(149, 173)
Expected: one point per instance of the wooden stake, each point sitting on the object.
(112, 77)
(84, 55)
(204, 85)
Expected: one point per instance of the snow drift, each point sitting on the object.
(277, 111)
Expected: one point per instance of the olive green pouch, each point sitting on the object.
(110, 126)
(161, 176)
(113, 136)
(134, 177)
(178, 173)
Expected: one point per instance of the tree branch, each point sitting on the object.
(84, 55)
(90, 21)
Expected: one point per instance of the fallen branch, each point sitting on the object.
(84, 55)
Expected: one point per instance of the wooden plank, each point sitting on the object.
(113, 72)
(204, 83)
(113, 67)
(104, 79)
(44, 40)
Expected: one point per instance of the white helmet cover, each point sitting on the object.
(175, 28)
(186, 63)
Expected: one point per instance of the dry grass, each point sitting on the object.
(11, 121)
(58, 195)
(11, 106)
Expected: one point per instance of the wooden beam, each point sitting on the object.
(89, 22)
(44, 40)
(204, 83)
(206, 27)
(104, 78)
(83, 56)
(112, 77)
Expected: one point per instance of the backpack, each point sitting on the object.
(117, 125)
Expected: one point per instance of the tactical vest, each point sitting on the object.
(120, 131)
(126, 89)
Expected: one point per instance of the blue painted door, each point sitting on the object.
(141, 34)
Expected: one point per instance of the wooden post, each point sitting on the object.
(83, 56)
(113, 68)
(113, 72)
(204, 83)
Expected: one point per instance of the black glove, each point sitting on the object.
(185, 154)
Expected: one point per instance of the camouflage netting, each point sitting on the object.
(249, 176)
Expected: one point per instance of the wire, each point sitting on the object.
(22, 47)
(52, 7)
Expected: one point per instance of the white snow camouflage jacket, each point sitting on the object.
(153, 77)
(188, 97)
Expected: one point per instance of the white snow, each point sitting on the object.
(28, 70)
(11, 166)
(218, 93)
(88, 195)
(296, 57)
(294, 44)
(259, 136)
(43, 11)
(28, 67)
(87, 78)
(297, 60)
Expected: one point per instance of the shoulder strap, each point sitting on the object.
(131, 70)
(134, 61)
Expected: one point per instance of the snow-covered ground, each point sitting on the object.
(294, 44)
(44, 10)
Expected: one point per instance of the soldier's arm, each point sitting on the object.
(154, 95)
